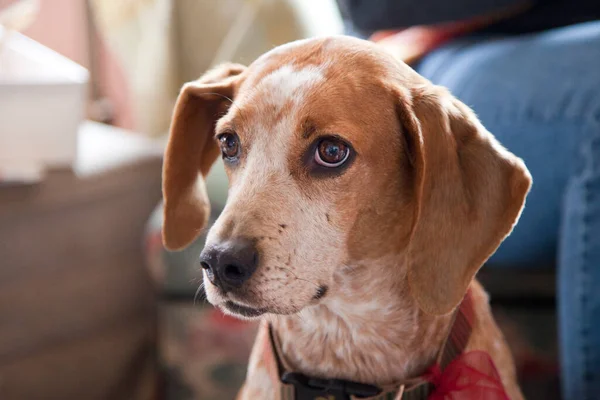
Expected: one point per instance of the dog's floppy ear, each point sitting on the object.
(192, 150)
(469, 194)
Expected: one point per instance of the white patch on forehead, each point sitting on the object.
(270, 147)
(287, 83)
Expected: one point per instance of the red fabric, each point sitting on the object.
(412, 43)
(471, 376)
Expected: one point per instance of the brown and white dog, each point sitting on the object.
(363, 200)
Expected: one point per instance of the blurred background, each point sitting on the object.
(93, 307)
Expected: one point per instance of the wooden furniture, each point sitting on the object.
(77, 309)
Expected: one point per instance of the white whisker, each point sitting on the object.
(198, 291)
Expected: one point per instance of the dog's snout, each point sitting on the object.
(230, 264)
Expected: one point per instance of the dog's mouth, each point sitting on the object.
(243, 311)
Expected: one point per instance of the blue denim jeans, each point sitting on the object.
(539, 94)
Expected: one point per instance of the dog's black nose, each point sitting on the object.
(230, 264)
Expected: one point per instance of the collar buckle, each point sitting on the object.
(307, 388)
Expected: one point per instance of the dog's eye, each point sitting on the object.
(230, 145)
(331, 153)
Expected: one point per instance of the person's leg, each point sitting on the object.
(579, 275)
(540, 95)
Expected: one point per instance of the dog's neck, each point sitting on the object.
(367, 329)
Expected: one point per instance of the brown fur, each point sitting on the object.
(396, 238)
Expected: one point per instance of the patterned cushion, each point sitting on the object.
(203, 352)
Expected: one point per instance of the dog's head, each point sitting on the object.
(336, 154)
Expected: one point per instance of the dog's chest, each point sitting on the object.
(378, 350)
